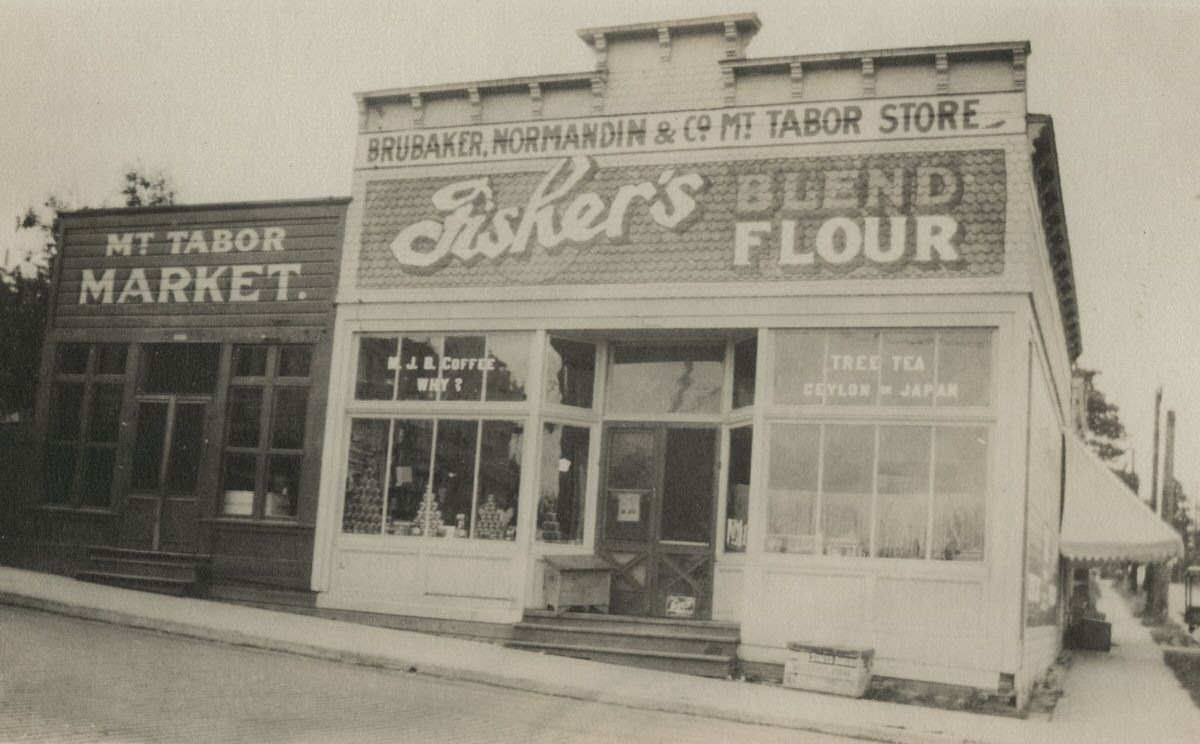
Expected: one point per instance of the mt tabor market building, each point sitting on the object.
(779, 345)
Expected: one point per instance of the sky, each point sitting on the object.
(249, 100)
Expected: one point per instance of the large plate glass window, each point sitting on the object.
(564, 473)
(852, 484)
(662, 378)
(433, 477)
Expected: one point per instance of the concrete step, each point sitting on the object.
(261, 596)
(617, 636)
(158, 585)
(158, 556)
(704, 665)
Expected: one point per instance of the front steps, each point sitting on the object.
(178, 574)
(703, 648)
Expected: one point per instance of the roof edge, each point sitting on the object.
(744, 21)
(787, 59)
(76, 214)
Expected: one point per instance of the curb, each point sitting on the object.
(464, 673)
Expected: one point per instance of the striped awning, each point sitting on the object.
(1104, 521)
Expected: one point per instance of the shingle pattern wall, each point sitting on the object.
(702, 249)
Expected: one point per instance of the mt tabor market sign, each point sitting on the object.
(848, 216)
(788, 124)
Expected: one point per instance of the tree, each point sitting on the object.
(25, 289)
(1105, 431)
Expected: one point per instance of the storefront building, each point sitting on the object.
(784, 342)
(185, 367)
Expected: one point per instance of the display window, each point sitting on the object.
(85, 422)
(562, 502)
(444, 478)
(911, 486)
(263, 455)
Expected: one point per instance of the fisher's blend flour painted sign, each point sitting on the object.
(574, 221)
(273, 264)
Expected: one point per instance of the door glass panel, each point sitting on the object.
(688, 485)
(183, 464)
(181, 368)
(147, 456)
(666, 379)
(631, 458)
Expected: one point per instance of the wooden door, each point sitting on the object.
(162, 506)
(657, 520)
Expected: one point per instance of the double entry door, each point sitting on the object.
(658, 518)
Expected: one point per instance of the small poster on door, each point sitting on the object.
(629, 506)
(680, 606)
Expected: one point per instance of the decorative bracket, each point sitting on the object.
(535, 96)
(1019, 69)
(476, 104)
(664, 44)
(732, 50)
(601, 52)
(942, 66)
(418, 111)
(868, 76)
(796, 73)
(729, 84)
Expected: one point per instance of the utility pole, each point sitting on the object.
(1153, 578)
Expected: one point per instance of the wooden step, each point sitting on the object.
(105, 552)
(634, 623)
(705, 665)
(156, 584)
(144, 567)
(262, 596)
(616, 636)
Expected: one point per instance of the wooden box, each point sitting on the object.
(582, 581)
(836, 669)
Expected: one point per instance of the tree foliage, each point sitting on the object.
(25, 289)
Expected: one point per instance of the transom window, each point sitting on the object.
(491, 367)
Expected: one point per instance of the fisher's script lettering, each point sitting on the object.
(191, 283)
(472, 228)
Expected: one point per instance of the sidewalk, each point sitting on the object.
(1101, 697)
(1128, 694)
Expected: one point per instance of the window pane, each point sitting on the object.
(631, 459)
(59, 473)
(509, 368)
(412, 448)
(147, 456)
(376, 378)
(110, 359)
(792, 488)
(799, 367)
(745, 366)
(903, 483)
(72, 359)
(363, 510)
(294, 361)
(287, 419)
(852, 368)
(95, 486)
(689, 486)
(964, 368)
(104, 420)
(238, 484)
(571, 376)
(564, 484)
(960, 488)
(249, 361)
(183, 468)
(245, 416)
(907, 369)
(737, 496)
(68, 404)
(462, 368)
(419, 361)
(499, 480)
(454, 470)
(666, 379)
(847, 469)
(283, 485)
